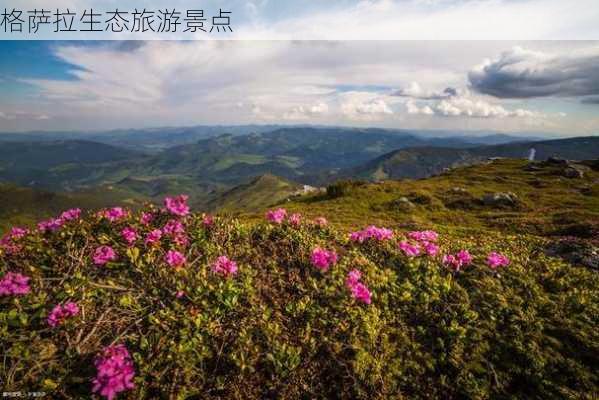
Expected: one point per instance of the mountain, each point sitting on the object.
(260, 193)
(420, 162)
(149, 140)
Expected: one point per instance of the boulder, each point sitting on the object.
(576, 252)
(575, 171)
(500, 199)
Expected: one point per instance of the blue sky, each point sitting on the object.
(500, 86)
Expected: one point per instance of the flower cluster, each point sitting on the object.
(103, 255)
(371, 232)
(321, 222)
(207, 220)
(359, 291)
(224, 266)
(153, 237)
(176, 230)
(461, 259)
(496, 260)
(114, 214)
(146, 218)
(129, 235)
(9, 242)
(410, 250)
(323, 259)
(276, 216)
(175, 259)
(425, 243)
(60, 313)
(424, 236)
(50, 225)
(115, 372)
(14, 284)
(295, 219)
(177, 205)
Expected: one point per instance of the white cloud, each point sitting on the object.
(469, 106)
(337, 83)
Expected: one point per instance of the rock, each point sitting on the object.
(557, 161)
(499, 199)
(575, 252)
(403, 203)
(533, 167)
(458, 189)
(575, 171)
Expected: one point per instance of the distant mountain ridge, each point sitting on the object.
(421, 162)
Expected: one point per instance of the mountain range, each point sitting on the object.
(143, 165)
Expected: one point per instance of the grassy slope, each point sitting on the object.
(548, 201)
(261, 192)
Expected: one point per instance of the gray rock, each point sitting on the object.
(578, 253)
(575, 171)
(500, 199)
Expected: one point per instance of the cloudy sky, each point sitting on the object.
(505, 86)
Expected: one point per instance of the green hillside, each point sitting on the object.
(258, 194)
(546, 201)
(299, 310)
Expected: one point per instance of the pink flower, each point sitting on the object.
(353, 277)
(464, 256)
(358, 290)
(224, 266)
(456, 262)
(295, 219)
(181, 239)
(177, 205)
(173, 227)
(72, 214)
(496, 260)
(114, 214)
(60, 313)
(371, 232)
(51, 225)
(103, 255)
(8, 242)
(323, 259)
(146, 218)
(14, 284)
(115, 372)
(321, 221)
(207, 220)
(17, 233)
(153, 237)
(129, 235)
(424, 236)
(431, 249)
(409, 250)
(175, 259)
(180, 294)
(276, 216)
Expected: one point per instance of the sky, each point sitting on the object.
(500, 86)
(268, 71)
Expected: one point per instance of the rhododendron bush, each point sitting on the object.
(164, 303)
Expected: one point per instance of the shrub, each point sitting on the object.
(406, 327)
